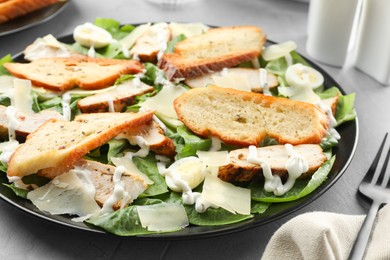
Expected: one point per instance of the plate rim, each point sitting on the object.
(223, 229)
(58, 8)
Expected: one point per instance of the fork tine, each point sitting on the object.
(371, 171)
(384, 173)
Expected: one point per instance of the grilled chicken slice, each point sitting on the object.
(27, 123)
(240, 170)
(152, 43)
(332, 103)
(101, 176)
(120, 97)
(155, 138)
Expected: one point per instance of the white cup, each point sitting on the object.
(330, 24)
(373, 40)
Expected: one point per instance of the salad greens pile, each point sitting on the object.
(125, 222)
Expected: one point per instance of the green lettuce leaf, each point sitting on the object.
(18, 191)
(345, 109)
(279, 66)
(5, 101)
(114, 27)
(123, 222)
(258, 207)
(148, 166)
(187, 143)
(104, 153)
(212, 216)
(173, 42)
(301, 187)
(3, 70)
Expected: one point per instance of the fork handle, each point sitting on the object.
(360, 244)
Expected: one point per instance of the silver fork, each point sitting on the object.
(376, 186)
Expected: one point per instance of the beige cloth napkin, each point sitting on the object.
(325, 235)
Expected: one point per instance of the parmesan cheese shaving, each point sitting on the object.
(226, 195)
(65, 194)
(163, 217)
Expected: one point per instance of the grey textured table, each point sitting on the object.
(25, 237)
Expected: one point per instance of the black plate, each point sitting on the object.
(344, 153)
(33, 18)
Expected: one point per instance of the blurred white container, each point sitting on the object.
(330, 25)
(373, 40)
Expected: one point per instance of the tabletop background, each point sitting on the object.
(25, 237)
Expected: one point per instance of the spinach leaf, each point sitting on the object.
(123, 222)
(212, 216)
(148, 166)
(18, 191)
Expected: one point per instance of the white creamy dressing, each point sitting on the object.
(160, 78)
(142, 143)
(224, 72)
(160, 123)
(137, 80)
(110, 101)
(111, 107)
(296, 165)
(332, 132)
(21, 100)
(162, 35)
(125, 51)
(66, 112)
(189, 197)
(91, 52)
(135, 57)
(18, 182)
(119, 192)
(13, 122)
(263, 79)
(9, 147)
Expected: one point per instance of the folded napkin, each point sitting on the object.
(325, 235)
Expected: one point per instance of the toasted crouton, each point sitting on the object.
(62, 74)
(212, 51)
(65, 142)
(246, 118)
